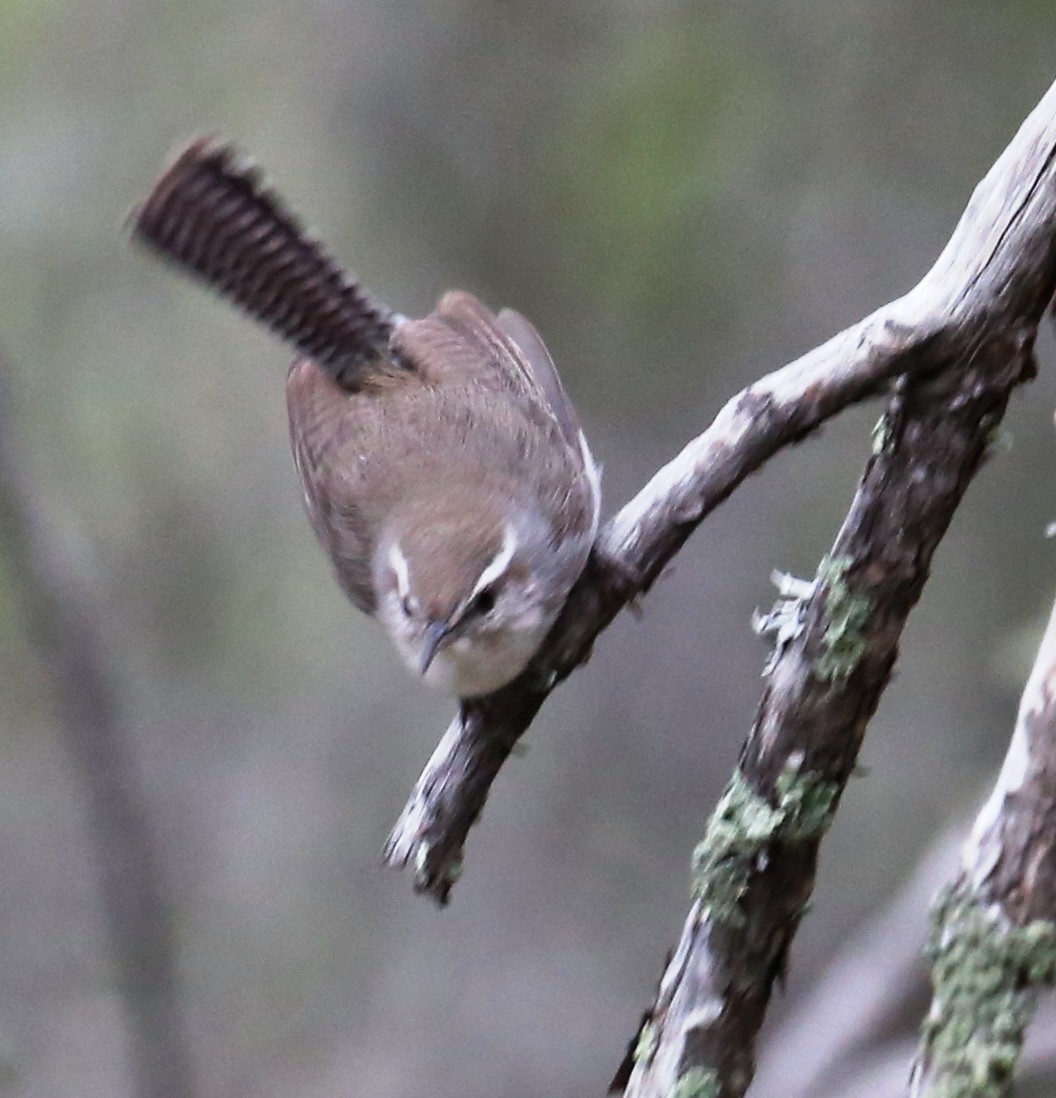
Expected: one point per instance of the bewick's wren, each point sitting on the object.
(444, 468)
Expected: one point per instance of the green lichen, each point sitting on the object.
(740, 825)
(453, 871)
(881, 434)
(743, 824)
(986, 974)
(843, 644)
(999, 439)
(646, 1045)
(697, 1083)
(423, 872)
(806, 804)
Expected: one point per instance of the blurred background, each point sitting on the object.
(681, 197)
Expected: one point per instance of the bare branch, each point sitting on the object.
(64, 621)
(989, 285)
(994, 929)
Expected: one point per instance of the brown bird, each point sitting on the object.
(443, 465)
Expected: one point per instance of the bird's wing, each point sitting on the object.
(321, 420)
(541, 367)
(462, 338)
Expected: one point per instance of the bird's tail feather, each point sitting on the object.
(212, 215)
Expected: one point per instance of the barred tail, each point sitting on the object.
(211, 213)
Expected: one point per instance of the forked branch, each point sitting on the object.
(972, 319)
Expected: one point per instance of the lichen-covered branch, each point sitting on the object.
(993, 942)
(62, 619)
(754, 882)
(978, 305)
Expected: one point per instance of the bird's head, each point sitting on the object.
(467, 595)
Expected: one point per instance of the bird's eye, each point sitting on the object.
(483, 601)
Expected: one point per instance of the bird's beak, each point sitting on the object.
(435, 633)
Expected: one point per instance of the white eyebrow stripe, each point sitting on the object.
(590, 467)
(498, 564)
(400, 569)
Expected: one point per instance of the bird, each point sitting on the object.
(443, 466)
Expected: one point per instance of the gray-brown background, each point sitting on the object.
(681, 196)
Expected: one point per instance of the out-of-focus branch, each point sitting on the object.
(851, 1035)
(63, 620)
(868, 994)
(993, 943)
(973, 315)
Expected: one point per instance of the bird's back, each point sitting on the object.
(459, 408)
